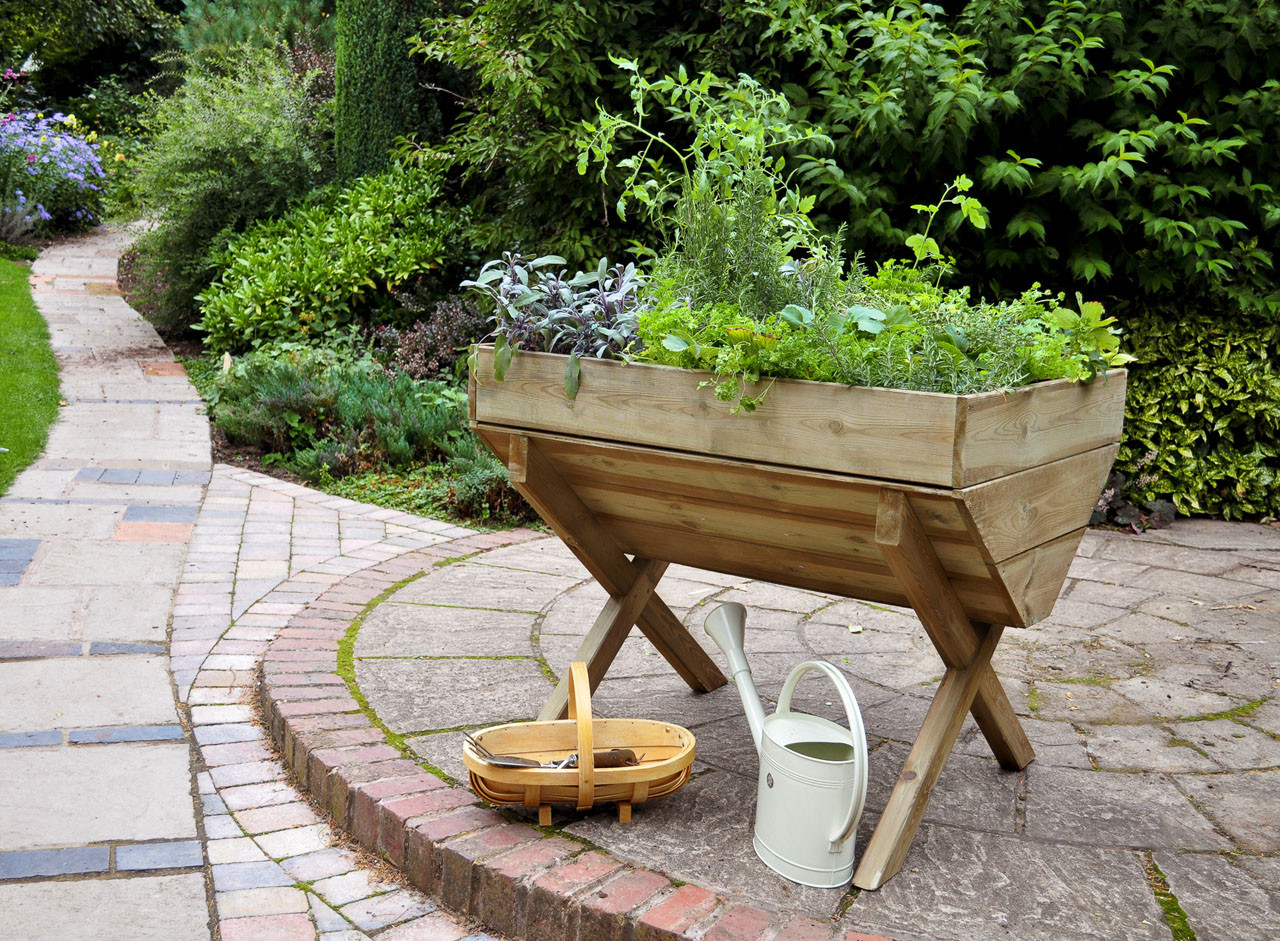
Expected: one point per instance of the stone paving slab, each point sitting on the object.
(159, 908)
(35, 693)
(98, 753)
(82, 795)
(1147, 695)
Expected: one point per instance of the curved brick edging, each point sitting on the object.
(512, 876)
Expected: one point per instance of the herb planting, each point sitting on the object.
(747, 287)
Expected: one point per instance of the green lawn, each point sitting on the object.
(28, 375)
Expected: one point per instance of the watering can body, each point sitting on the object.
(813, 772)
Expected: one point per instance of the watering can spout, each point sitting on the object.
(726, 625)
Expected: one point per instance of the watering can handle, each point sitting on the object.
(846, 827)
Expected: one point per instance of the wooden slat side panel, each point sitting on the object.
(882, 433)
(983, 600)
(713, 519)
(814, 493)
(1008, 432)
(1018, 512)
(1035, 578)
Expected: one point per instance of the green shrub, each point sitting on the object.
(336, 418)
(12, 252)
(1202, 419)
(320, 415)
(323, 264)
(475, 486)
(1126, 149)
(79, 42)
(377, 83)
(214, 26)
(237, 142)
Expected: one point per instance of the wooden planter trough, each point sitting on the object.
(968, 508)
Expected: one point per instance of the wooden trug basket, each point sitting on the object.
(667, 750)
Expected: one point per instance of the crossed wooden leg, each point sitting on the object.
(969, 684)
(629, 582)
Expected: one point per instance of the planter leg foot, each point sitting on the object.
(544, 815)
(624, 811)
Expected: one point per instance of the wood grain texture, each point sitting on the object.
(1035, 577)
(1021, 511)
(1007, 432)
(884, 433)
(900, 819)
(946, 619)
(518, 459)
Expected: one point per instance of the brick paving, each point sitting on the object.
(1149, 694)
(125, 814)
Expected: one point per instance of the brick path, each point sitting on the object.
(125, 814)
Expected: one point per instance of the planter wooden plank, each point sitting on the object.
(1003, 433)
(1034, 578)
(768, 487)
(1032, 507)
(887, 434)
(808, 424)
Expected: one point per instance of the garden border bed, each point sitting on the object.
(514, 877)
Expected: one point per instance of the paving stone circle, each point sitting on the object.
(1149, 695)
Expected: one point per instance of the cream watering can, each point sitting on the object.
(813, 772)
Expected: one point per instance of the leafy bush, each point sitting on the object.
(434, 340)
(336, 418)
(1202, 418)
(475, 486)
(78, 42)
(317, 413)
(1119, 141)
(216, 26)
(237, 142)
(377, 83)
(50, 176)
(323, 264)
(11, 252)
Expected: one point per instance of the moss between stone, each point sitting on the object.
(1239, 712)
(1174, 917)
(347, 671)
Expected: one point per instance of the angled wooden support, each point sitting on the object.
(606, 636)
(904, 545)
(969, 684)
(891, 840)
(630, 583)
